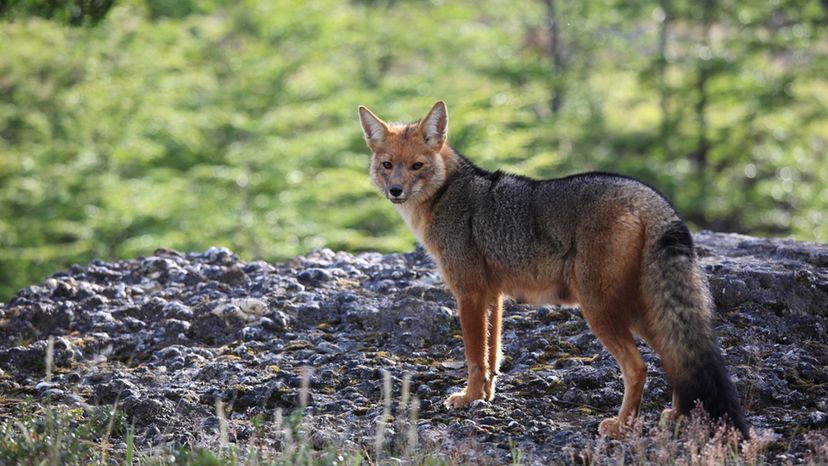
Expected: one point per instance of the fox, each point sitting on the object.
(609, 243)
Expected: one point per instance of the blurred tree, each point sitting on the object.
(189, 124)
(73, 12)
(555, 52)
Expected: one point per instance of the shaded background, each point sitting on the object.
(131, 125)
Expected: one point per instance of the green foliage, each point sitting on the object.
(74, 12)
(190, 124)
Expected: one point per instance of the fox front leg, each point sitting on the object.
(495, 320)
(473, 310)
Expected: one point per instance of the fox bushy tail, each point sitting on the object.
(680, 322)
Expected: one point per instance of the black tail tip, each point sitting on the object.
(708, 383)
(736, 421)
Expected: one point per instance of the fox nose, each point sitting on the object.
(395, 191)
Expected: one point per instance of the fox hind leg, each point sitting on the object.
(634, 373)
(611, 302)
(621, 345)
(671, 413)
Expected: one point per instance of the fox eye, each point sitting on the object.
(417, 166)
(387, 165)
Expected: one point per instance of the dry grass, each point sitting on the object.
(83, 436)
(695, 441)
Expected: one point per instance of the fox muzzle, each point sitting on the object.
(395, 194)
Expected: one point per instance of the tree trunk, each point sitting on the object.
(704, 73)
(663, 88)
(558, 65)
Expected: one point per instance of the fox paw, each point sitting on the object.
(668, 415)
(460, 400)
(611, 428)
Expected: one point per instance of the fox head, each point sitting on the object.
(408, 163)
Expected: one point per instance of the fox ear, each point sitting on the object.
(374, 129)
(435, 125)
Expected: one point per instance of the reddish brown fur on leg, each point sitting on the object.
(495, 323)
(611, 304)
(634, 373)
(473, 310)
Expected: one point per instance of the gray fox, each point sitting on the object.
(607, 242)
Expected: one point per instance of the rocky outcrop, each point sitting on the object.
(168, 335)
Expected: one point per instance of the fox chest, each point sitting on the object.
(417, 221)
